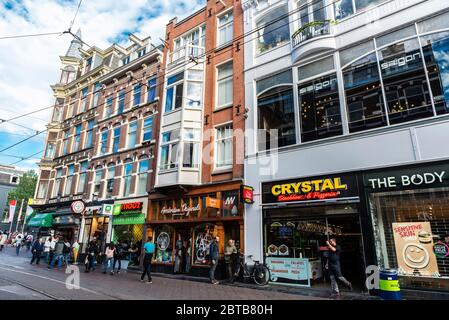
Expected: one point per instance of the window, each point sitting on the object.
(272, 35)
(69, 180)
(97, 93)
(132, 130)
(88, 65)
(116, 140)
(121, 102)
(42, 190)
(66, 142)
(97, 180)
(142, 179)
(435, 49)
(57, 113)
(319, 109)
(82, 180)
(71, 110)
(90, 127)
(110, 181)
(83, 104)
(224, 85)
(405, 83)
(174, 94)
(50, 150)
(364, 94)
(142, 52)
(223, 147)
(126, 60)
(137, 89)
(57, 185)
(104, 142)
(77, 137)
(312, 20)
(276, 118)
(128, 170)
(169, 150)
(225, 28)
(148, 129)
(108, 107)
(67, 75)
(190, 157)
(152, 89)
(344, 8)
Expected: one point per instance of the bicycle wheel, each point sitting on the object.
(261, 275)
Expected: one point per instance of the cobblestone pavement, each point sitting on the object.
(20, 280)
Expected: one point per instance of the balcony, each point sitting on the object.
(312, 37)
(184, 54)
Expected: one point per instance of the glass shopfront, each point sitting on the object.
(410, 211)
(95, 225)
(298, 219)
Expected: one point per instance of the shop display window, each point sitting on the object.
(164, 236)
(408, 227)
(319, 108)
(435, 49)
(405, 83)
(363, 90)
(229, 203)
(203, 236)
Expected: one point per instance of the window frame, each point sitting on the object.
(225, 26)
(218, 140)
(221, 80)
(129, 133)
(169, 145)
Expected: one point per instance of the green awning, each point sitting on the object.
(41, 220)
(129, 219)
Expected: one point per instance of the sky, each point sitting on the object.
(28, 66)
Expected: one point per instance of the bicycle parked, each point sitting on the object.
(259, 273)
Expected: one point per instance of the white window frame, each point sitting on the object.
(69, 175)
(196, 141)
(100, 151)
(146, 127)
(39, 189)
(217, 82)
(219, 140)
(169, 144)
(58, 178)
(106, 179)
(139, 85)
(83, 102)
(175, 90)
(152, 87)
(128, 134)
(108, 106)
(81, 174)
(138, 174)
(94, 182)
(225, 26)
(118, 101)
(123, 185)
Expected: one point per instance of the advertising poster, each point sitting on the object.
(288, 268)
(414, 249)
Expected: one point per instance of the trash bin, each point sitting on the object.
(389, 285)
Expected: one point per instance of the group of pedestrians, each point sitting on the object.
(112, 256)
(52, 249)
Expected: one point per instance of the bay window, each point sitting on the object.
(345, 8)
(142, 178)
(169, 150)
(224, 85)
(190, 158)
(132, 131)
(127, 175)
(69, 179)
(363, 90)
(174, 93)
(148, 129)
(273, 34)
(116, 140)
(223, 147)
(110, 178)
(225, 28)
(152, 85)
(311, 11)
(82, 178)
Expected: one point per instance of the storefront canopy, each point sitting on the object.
(129, 219)
(41, 220)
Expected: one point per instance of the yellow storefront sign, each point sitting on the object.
(319, 185)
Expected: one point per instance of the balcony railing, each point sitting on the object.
(312, 30)
(184, 54)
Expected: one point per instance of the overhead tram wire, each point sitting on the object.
(27, 158)
(185, 63)
(31, 35)
(76, 13)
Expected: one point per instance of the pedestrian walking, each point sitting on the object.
(18, 245)
(58, 253)
(333, 265)
(149, 251)
(66, 252)
(109, 259)
(47, 248)
(213, 251)
(36, 250)
(178, 255)
(28, 241)
(118, 256)
(92, 251)
(3, 238)
(229, 254)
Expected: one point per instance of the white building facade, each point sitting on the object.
(349, 102)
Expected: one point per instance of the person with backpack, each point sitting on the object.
(36, 249)
(118, 256)
(109, 259)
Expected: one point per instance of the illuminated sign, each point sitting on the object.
(319, 188)
(127, 208)
(213, 203)
(248, 194)
(185, 210)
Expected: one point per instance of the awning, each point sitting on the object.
(41, 220)
(129, 219)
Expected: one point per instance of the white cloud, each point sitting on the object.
(28, 66)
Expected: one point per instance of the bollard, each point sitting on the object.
(389, 285)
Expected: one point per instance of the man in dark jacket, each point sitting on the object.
(118, 255)
(92, 251)
(213, 251)
(36, 249)
(59, 253)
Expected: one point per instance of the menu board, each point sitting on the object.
(288, 268)
(414, 249)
